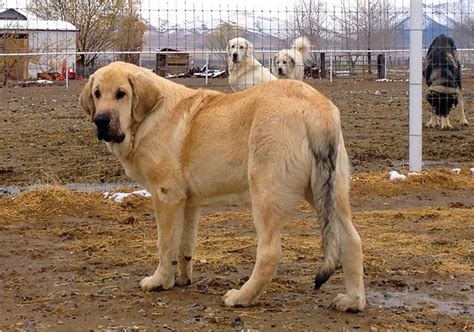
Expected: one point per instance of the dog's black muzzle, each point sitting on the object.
(235, 57)
(280, 71)
(105, 131)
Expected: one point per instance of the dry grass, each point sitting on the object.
(378, 183)
(56, 201)
(439, 236)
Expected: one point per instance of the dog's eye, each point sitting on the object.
(233, 46)
(97, 94)
(284, 62)
(241, 47)
(120, 94)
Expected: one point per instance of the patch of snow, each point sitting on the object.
(395, 176)
(119, 197)
(456, 170)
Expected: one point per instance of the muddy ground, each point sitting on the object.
(46, 138)
(73, 260)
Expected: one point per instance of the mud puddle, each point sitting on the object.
(417, 299)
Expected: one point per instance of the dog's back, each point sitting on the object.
(442, 64)
(442, 74)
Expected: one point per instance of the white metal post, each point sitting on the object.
(330, 67)
(207, 67)
(67, 73)
(415, 92)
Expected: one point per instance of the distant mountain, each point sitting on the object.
(441, 18)
(188, 30)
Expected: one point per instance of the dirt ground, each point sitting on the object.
(72, 260)
(46, 138)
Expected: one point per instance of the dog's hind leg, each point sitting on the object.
(462, 120)
(341, 242)
(188, 242)
(351, 260)
(268, 219)
(169, 217)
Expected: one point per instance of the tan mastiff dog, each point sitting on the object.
(276, 143)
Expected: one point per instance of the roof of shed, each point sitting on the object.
(11, 19)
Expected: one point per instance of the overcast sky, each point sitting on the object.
(223, 4)
(266, 5)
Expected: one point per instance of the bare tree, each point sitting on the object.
(100, 23)
(129, 33)
(463, 29)
(217, 40)
(366, 24)
(310, 21)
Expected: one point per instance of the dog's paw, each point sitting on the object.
(448, 127)
(233, 298)
(182, 281)
(464, 122)
(345, 302)
(155, 283)
(431, 124)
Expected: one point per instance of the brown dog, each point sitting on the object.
(280, 142)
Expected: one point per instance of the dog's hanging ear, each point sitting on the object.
(86, 100)
(249, 50)
(227, 49)
(146, 95)
(292, 60)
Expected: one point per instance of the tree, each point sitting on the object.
(309, 21)
(366, 24)
(102, 24)
(217, 40)
(129, 34)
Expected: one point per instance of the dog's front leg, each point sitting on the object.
(188, 242)
(462, 118)
(434, 120)
(169, 217)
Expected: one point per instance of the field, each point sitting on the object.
(72, 260)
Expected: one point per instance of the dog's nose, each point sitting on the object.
(234, 56)
(280, 71)
(102, 121)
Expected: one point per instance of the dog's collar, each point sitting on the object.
(442, 89)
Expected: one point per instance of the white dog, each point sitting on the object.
(289, 63)
(244, 70)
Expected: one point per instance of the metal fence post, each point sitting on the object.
(415, 91)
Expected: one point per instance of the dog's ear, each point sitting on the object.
(249, 50)
(146, 94)
(292, 60)
(86, 100)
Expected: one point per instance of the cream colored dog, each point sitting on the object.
(244, 70)
(289, 63)
(276, 143)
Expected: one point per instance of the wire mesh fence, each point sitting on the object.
(51, 42)
(350, 38)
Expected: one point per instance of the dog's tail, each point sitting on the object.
(330, 187)
(302, 45)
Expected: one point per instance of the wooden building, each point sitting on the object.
(171, 61)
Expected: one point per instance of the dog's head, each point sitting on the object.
(283, 65)
(238, 49)
(117, 96)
